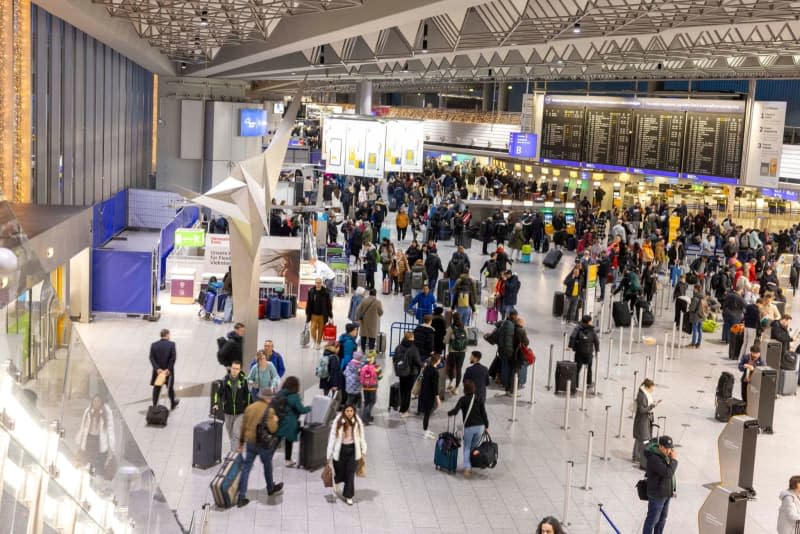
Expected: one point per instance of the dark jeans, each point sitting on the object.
(588, 370)
(571, 308)
(426, 417)
(170, 390)
(401, 233)
(287, 448)
(354, 399)
(406, 383)
(248, 458)
(455, 361)
(345, 470)
(656, 515)
(369, 401)
(367, 341)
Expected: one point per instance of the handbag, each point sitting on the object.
(485, 453)
(527, 353)
(161, 379)
(641, 489)
(327, 476)
(361, 471)
(417, 387)
(737, 329)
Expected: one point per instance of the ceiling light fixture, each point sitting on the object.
(510, 87)
(576, 28)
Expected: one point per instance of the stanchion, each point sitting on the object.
(619, 350)
(566, 405)
(641, 312)
(588, 475)
(680, 337)
(564, 347)
(550, 370)
(514, 398)
(630, 340)
(567, 493)
(672, 350)
(655, 365)
(602, 310)
(636, 381)
(647, 360)
(662, 426)
(621, 413)
(583, 383)
(532, 384)
(595, 385)
(608, 360)
(605, 433)
(664, 357)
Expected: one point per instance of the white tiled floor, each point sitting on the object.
(403, 492)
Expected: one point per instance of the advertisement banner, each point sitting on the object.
(395, 135)
(218, 253)
(412, 146)
(375, 141)
(355, 147)
(674, 227)
(591, 276)
(333, 135)
(765, 145)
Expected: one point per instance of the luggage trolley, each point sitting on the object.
(396, 332)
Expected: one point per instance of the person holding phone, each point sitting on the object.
(643, 418)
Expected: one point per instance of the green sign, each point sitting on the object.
(190, 237)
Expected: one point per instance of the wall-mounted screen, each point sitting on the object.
(278, 108)
(253, 122)
(522, 145)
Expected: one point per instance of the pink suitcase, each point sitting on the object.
(491, 315)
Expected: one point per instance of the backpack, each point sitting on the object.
(463, 299)
(744, 241)
(368, 376)
(264, 437)
(716, 281)
(634, 285)
(221, 342)
(323, 364)
(725, 386)
(402, 367)
(458, 343)
(273, 415)
(583, 342)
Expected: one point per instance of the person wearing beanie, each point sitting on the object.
(348, 343)
(352, 379)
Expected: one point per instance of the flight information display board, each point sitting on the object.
(562, 133)
(657, 141)
(714, 144)
(607, 139)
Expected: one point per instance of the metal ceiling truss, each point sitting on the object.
(573, 39)
(194, 31)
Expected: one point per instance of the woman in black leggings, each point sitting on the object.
(429, 392)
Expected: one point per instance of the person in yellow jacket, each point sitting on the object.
(401, 222)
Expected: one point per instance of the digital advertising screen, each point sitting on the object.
(253, 122)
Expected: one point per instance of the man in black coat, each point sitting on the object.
(661, 466)
(585, 343)
(479, 374)
(162, 358)
(424, 336)
(319, 310)
(232, 350)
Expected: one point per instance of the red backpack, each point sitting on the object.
(368, 376)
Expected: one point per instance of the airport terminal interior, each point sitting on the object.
(598, 203)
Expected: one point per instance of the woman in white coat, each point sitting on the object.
(346, 448)
(789, 513)
(95, 437)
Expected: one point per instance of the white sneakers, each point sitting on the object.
(403, 415)
(349, 502)
(429, 435)
(290, 463)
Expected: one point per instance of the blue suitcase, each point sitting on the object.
(445, 455)
(274, 309)
(221, 298)
(385, 233)
(286, 309)
(526, 258)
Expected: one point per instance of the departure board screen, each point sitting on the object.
(562, 133)
(607, 139)
(714, 144)
(657, 140)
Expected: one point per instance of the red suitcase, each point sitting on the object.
(262, 309)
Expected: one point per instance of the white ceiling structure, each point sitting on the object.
(433, 42)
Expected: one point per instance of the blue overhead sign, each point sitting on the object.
(522, 145)
(253, 123)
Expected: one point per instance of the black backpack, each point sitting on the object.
(725, 386)
(221, 352)
(402, 367)
(583, 342)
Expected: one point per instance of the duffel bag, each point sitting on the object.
(485, 453)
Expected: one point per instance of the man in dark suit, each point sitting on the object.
(479, 374)
(162, 358)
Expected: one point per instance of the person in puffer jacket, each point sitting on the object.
(789, 512)
(352, 379)
(355, 300)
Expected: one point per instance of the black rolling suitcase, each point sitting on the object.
(735, 342)
(407, 283)
(552, 258)
(727, 408)
(394, 396)
(682, 305)
(207, 444)
(443, 292)
(314, 446)
(558, 304)
(566, 370)
(621, 314)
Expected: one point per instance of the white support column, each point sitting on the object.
(364, 97)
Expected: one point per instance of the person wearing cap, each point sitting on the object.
(584, 342)
(747, 365)
(250, 448)
(662, 463)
